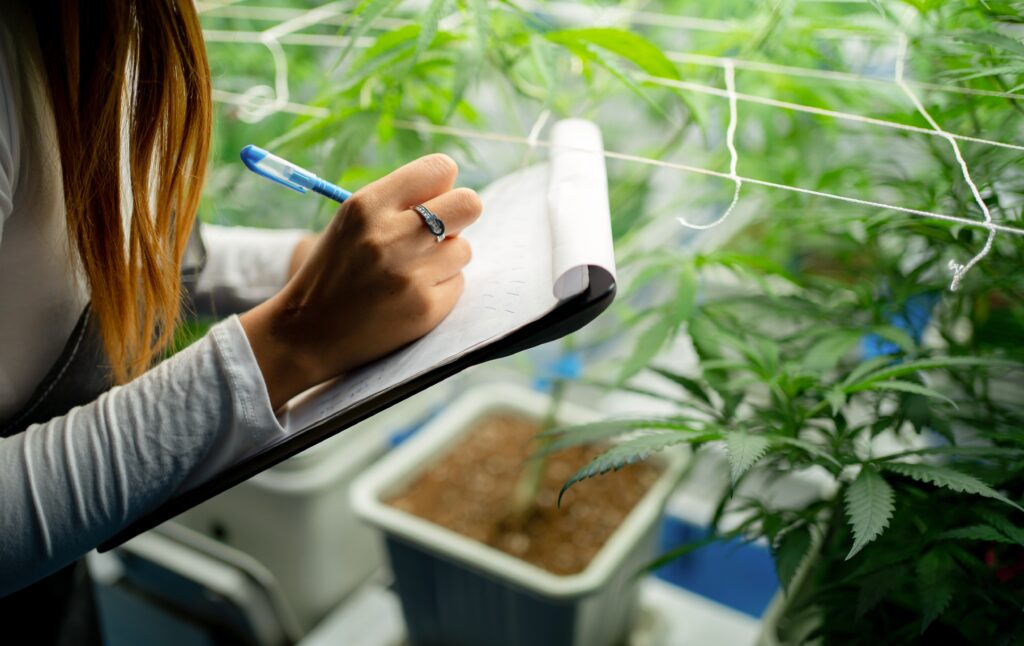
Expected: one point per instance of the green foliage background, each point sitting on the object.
(777, 304)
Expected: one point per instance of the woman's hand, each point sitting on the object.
(374, 281)
(303, 249)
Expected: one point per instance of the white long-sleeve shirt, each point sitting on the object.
(68, 484)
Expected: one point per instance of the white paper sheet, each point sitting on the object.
(540, 227)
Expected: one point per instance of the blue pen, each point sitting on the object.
(284, 172)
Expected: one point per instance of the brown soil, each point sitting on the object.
(469, 491)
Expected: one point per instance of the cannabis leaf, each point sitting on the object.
(935, 587)
(634, 48)
(869, 504)
(744, 450)
(985, 533)
(947, 478)
(560, 438)
(625, 453)
(363, 16)
(692, 386)
(862, 377)
(901, 386)
(790, 553)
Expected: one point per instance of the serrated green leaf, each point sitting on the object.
(985, 533)
(902, 386)
(633, 47)
(867, 367)
(464, 74)
(647, 346)
(744, 450)
(895, 335)
(804, 445)
(589, 53)
(935, 587)
(692, 386)
(1003, 524)
(363, 16)
(836, 399)
(685, 296)
(560, 438)
(937, 363)
(994, 39)
(625, 453)
(869, 505)
(947, 478)
(428, 22)
(829, 350)
(790, 553)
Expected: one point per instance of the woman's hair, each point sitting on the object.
(135, 69)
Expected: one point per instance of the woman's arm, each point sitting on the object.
(375, 281)
(69, 484)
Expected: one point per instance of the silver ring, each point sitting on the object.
(434, 223)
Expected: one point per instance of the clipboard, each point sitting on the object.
(547, 269)
(568, 317)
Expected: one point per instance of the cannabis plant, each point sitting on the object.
(826, 338)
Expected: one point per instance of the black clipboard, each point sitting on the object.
(567, 317)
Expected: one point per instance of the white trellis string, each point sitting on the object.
(538, 126)
(263, 100)
(330, 40)
(256, 105)
(734, 158)
(320, 112)
(959, 270)
(798, 107)
(830, 75)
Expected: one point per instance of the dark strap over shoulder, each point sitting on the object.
(79, 376)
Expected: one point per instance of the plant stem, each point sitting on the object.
(524, 496)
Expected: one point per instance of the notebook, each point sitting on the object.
(543, 266)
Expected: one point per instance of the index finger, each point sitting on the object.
(416, 182)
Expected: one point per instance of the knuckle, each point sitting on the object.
(359, 204)
(357, 213)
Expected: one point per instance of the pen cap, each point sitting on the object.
(272, 167)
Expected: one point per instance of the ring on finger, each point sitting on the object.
(432, 222)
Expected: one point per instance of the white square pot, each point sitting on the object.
(296, 518)
(455, 590)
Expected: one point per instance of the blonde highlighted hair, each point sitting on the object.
(144, 61)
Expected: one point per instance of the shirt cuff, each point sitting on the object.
(255, 426)
(246, 264)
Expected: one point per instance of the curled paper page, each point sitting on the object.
(581, 233)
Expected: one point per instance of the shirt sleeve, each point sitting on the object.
(244, 266)
(73, 482)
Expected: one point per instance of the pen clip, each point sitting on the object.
(253, 155)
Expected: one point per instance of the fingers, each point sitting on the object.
(448, 293)
(451, 257)
(414, 183)
(457, 208)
